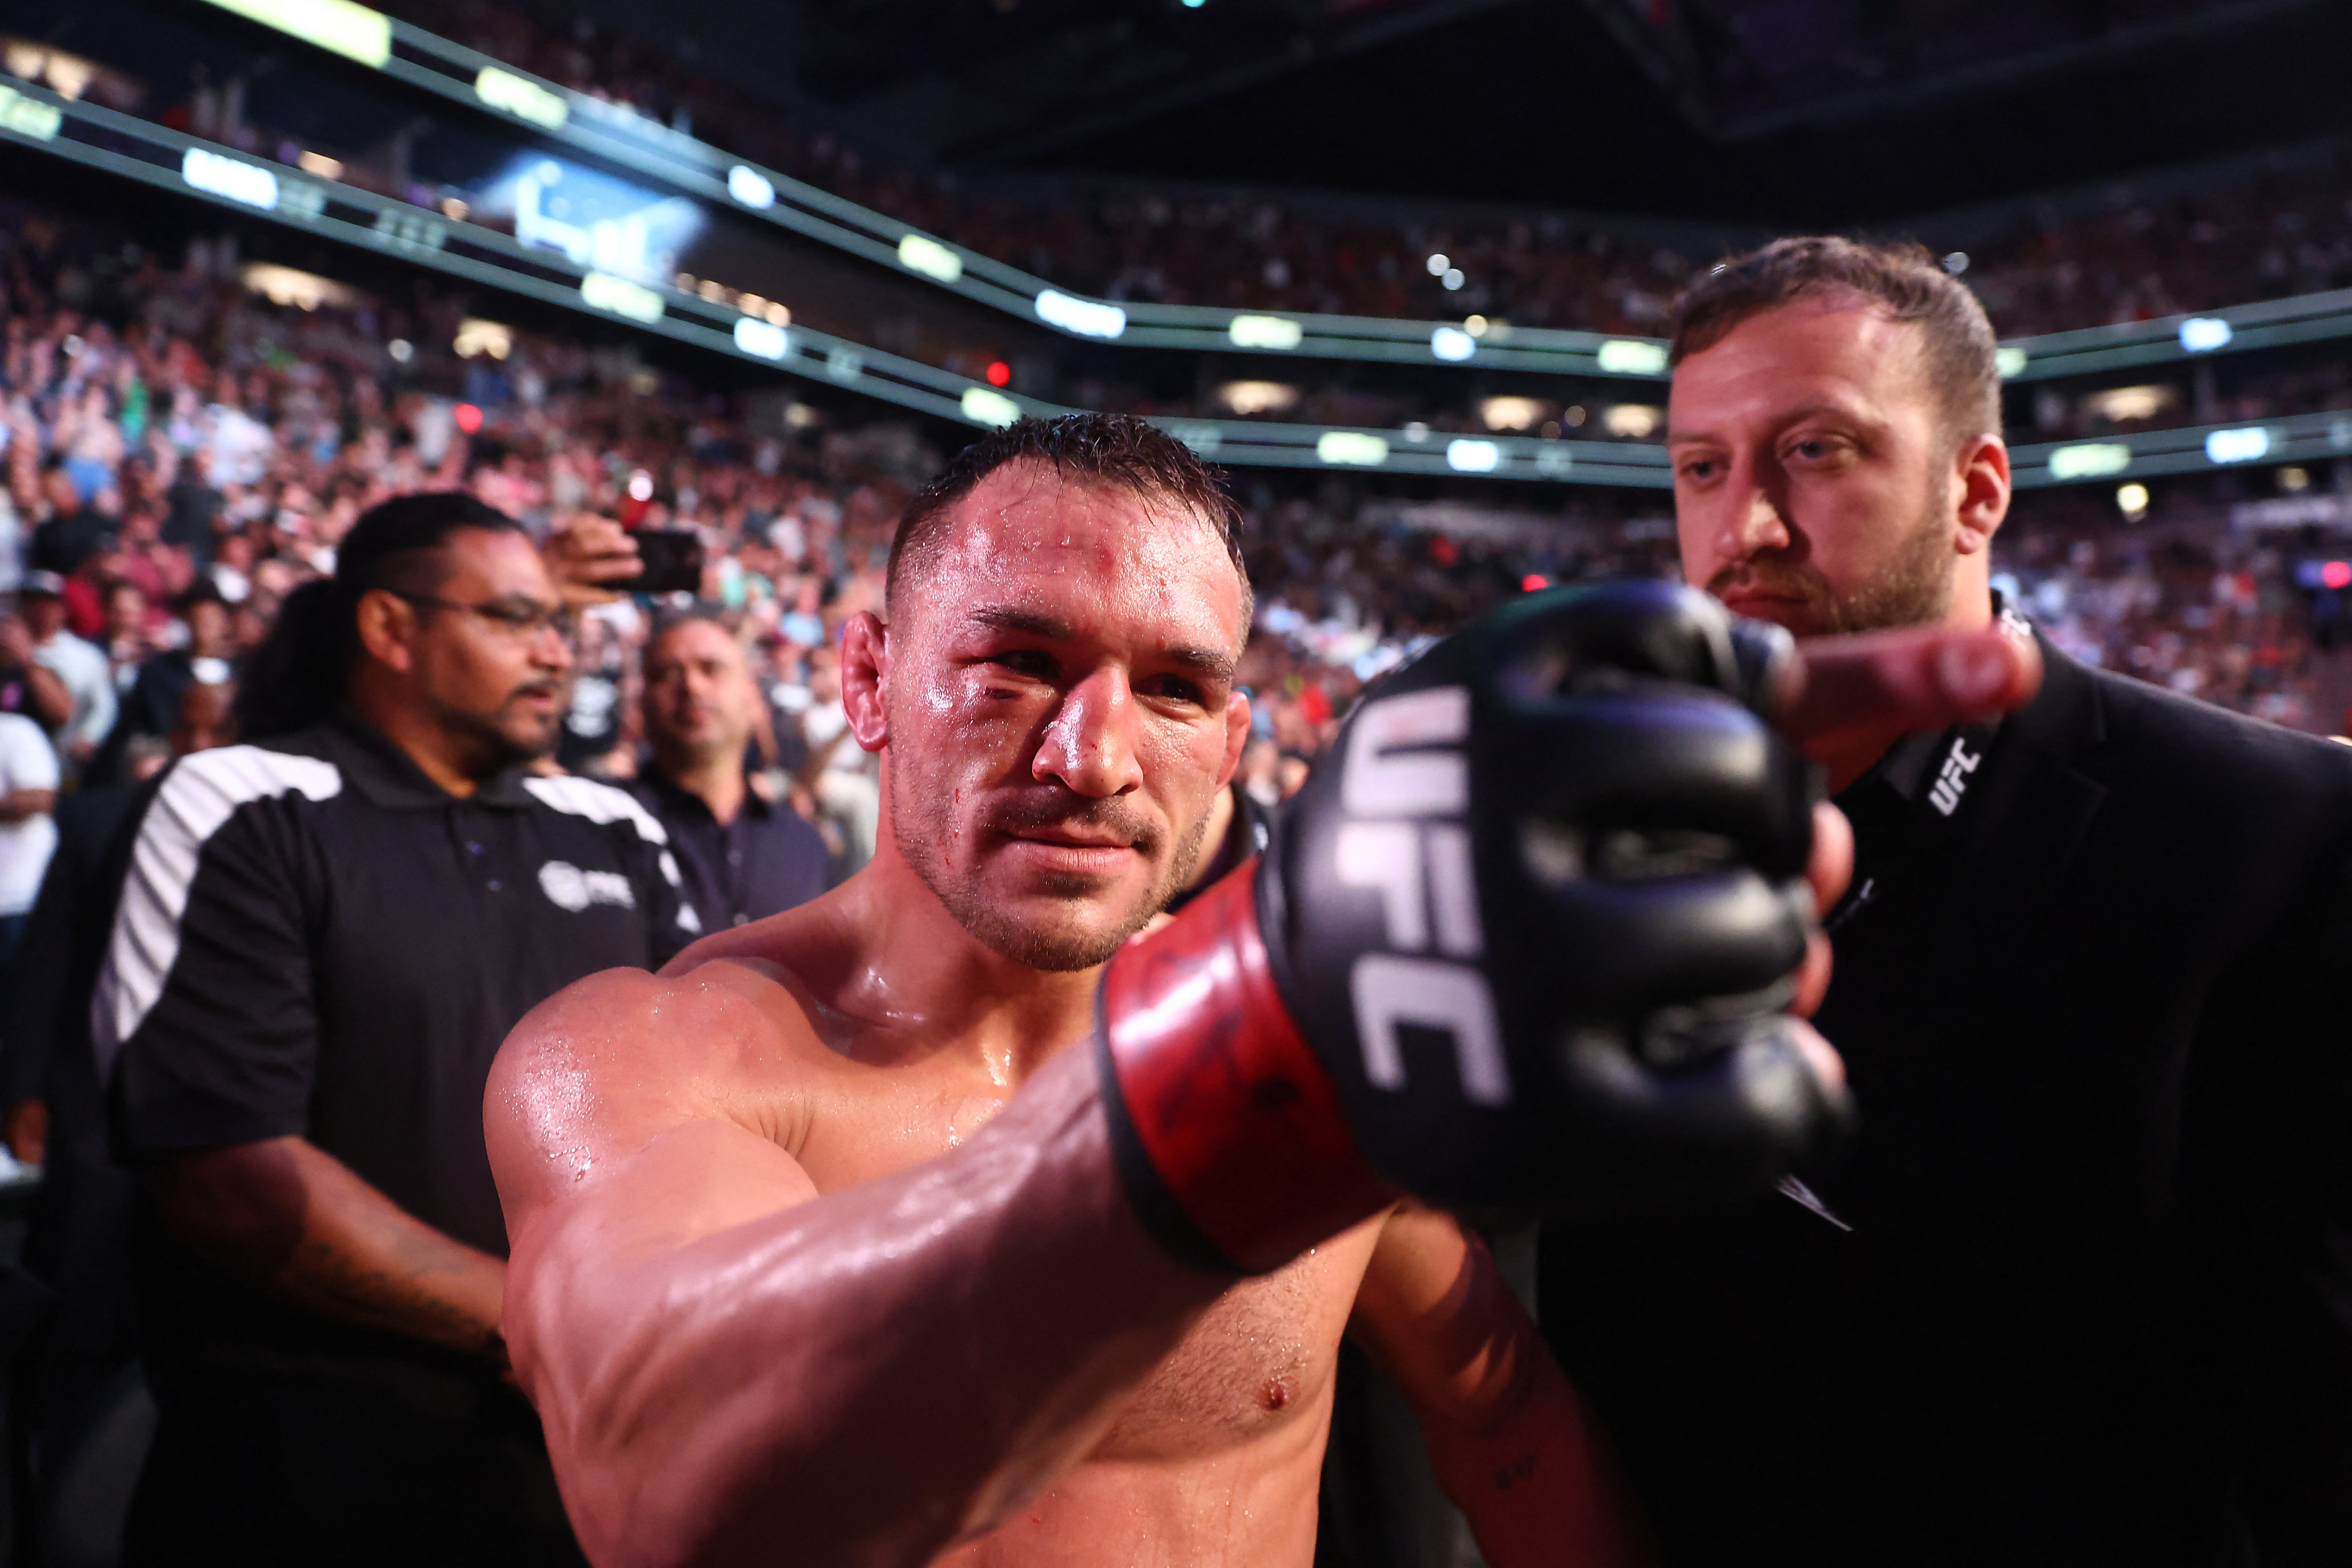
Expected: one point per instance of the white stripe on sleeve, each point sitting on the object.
(200, 795)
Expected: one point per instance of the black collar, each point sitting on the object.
(671, 796)
(378, 769)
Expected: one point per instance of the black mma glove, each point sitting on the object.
(1522, 943)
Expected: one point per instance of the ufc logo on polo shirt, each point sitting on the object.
(567, 887)
(1406, 786)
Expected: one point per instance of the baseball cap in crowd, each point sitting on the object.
(47, 585)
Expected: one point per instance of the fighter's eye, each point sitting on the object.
(1034, 663)
(1175, 688)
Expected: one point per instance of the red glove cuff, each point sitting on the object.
(1228, 1132)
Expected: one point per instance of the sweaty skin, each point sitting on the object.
(819, 1253)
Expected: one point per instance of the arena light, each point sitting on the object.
(2009, 363)
(2124, 404)
(2244, 444)
(1352, 448)
(230, 178)
(765, 339)
(2089, 460)
(1438, 264)
(2203, 335)
(1266, 332)
(1250, 398)
(1512, 412)
(2335, 574)
(1088, 318)
(1634, 421)
(2132, 501)
(1534, 583)
(477, 336)
(523, 98)
(1452, 344)
(319, 163)
(468, 417)
(921, 253)
(750, 187)
(1631, 356)
(1453, 280)
(1467, 457)
(290, 286)
(350, 30)
(29, 116)
(621, 297)
(982, 406)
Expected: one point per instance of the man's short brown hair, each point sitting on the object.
(1117, 451)
(1902, 282)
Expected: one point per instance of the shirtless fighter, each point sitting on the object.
(937, 1221)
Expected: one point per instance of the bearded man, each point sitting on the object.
(2083, 1293)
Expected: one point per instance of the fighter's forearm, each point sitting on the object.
(865, 1378)
(292, 1217)
(1539, 1487)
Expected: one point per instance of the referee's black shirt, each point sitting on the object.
(316, 940)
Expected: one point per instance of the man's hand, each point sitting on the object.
(588, 556)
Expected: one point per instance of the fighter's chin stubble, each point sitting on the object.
(1057, 946)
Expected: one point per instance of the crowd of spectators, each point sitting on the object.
(180, 453)
(2266, 239)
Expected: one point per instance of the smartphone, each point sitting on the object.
(673, 558)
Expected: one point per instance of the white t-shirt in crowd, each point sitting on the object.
(26, 761)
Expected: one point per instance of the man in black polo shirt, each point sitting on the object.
(744, 857)
(324, 935)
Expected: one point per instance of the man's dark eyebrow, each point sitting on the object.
(1008, 618)
(1209, 661)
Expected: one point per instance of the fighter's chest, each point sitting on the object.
(1262, 1356)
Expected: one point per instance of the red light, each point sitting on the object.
(2336, 573)
(1534, 583)
(468, 417)
(999, 373)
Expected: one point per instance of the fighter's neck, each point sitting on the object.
(919, 974)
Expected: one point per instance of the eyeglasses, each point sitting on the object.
(523, 619)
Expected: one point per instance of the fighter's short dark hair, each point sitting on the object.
(1118, 451)
(1903, 282)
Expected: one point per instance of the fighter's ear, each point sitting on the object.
(1237, 734)
(866, 678)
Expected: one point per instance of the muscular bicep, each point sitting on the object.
(682, 1083)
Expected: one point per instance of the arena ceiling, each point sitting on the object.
(1822, 111)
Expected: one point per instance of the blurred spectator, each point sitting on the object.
(76, 528)
(744, 856)
(152, 704)
(28, 833)
(78, 1411)
(81, 670)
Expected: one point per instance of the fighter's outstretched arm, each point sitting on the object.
(730, 1373)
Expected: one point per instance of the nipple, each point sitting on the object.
(1278, 1394)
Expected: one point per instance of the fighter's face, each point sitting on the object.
(1815, 480)
(1061, 708)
